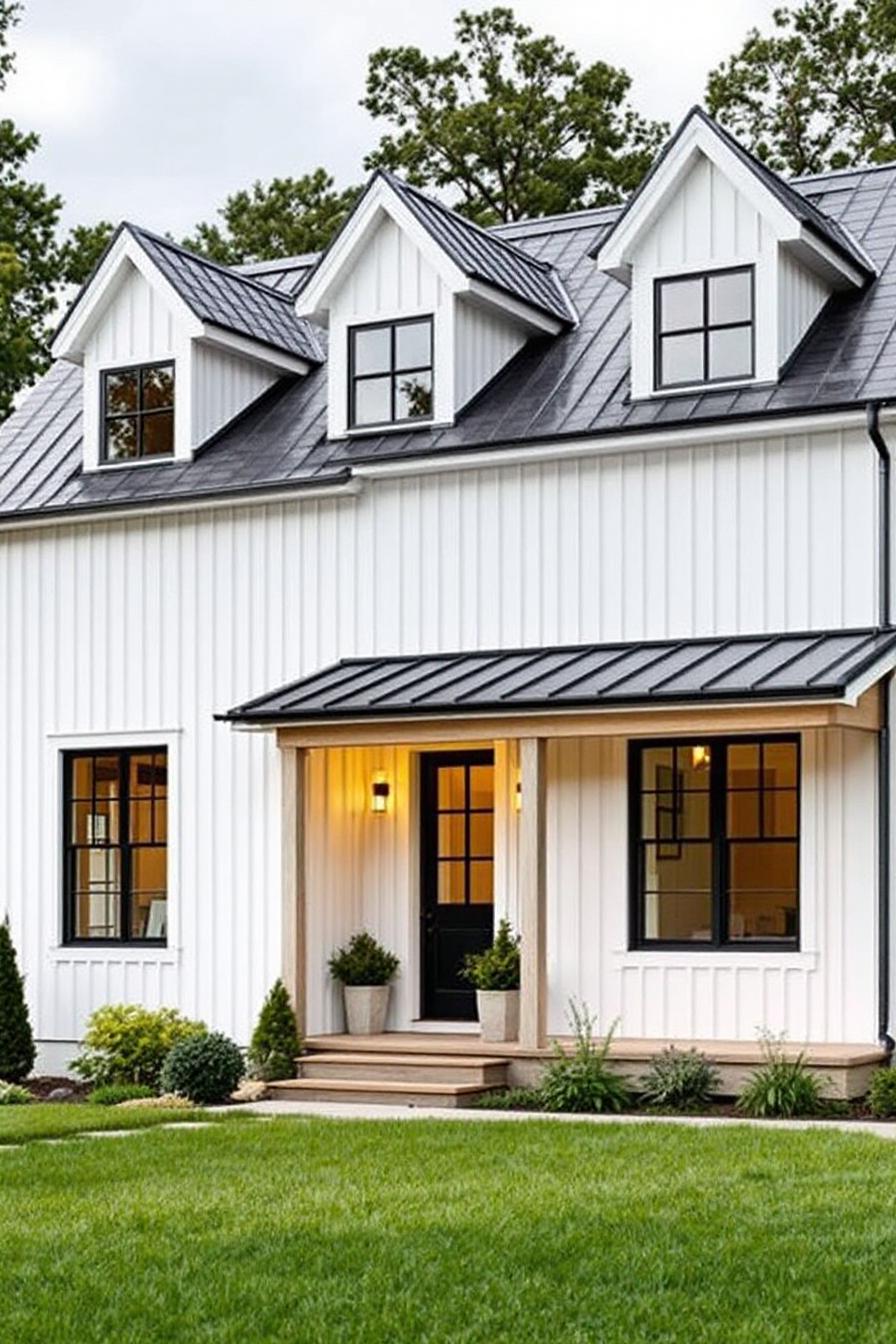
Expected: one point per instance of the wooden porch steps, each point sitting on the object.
(392, 1077)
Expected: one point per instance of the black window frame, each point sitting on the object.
(391, 373)
(719, 842)
(126, 846)
(705, 329)
(140, 414)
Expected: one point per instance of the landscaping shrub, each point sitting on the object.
(205, 1068)
(125, 1043)
(363, 961)
(16, 1041)
(882, 1093)
(510, 1099)
(583, 1081)
(11, 1094)
(678, 1080)
(498, 967)
(113, 1094)
(275, 1040)
(781, 1087)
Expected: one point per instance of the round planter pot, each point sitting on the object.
(499, 1013)
(365, 1009)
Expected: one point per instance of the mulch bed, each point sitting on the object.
(40, 1089)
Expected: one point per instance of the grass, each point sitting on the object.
(58, 1120)
(311, 1230)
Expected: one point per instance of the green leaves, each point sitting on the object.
(126, 1043)
(275, 1040)
(498, 967)
(512, 122)
(17, 1051)
(363, 961)
(781, 1087)
(818, 91)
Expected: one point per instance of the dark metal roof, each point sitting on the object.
(286, 275)
(817, 665)
(570, 386)
(801, 207)
(230, 299)
(487, 256)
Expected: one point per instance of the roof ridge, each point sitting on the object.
(218, 266)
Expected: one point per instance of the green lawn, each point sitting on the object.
(56, 1120)
(311, 1230)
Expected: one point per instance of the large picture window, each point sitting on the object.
(116, 846)
(704, 328)
(138, 412)
(714, 830)
(390, 371)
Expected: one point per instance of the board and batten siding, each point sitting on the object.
(152, 625)
(224, 384)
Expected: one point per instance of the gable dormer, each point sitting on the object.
(173, 347)
(728, 266)
(423, 308)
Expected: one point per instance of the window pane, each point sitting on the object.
(678, 916)
(82, 777)
(141, 822)
(149, 870)
(452, 836)
(743, 765)
(779, 764)
(763, 866)
(762, 915)
(678, 867)
(731, 352)
(452, 786)
(121, 440)
(148, 775)
(373, 401)
(106, 772)
(656, 766)
(158, 434)
(97, 893)
(481, 883)
(682, 359)
(482, 786)
(482, 831)
(692, 764)
(149, 916)
(730, 298)
(452, 883)
(681, 304)
(121, 392)
(413, 396)
(158, 387)
(373, 350)
(743, 813)
(687, 818)
(780, 812)
(413, 345)
(95, 824)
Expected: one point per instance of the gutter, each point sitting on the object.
(884, 784)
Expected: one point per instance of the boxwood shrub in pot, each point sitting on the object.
(495, 975)
(365, 969)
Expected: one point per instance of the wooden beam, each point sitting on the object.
(533, 902)
(640, 722)
(293, 772)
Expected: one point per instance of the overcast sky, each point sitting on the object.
(154, 110)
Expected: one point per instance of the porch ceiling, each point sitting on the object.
(833, 666)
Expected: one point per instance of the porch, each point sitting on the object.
(354, 740)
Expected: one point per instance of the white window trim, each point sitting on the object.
(56, 745)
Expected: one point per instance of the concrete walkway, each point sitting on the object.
(339, 1111)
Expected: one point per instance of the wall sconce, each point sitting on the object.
(518, 796)
(379, 793)
(700, 757)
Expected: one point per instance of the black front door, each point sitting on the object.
(457, 848)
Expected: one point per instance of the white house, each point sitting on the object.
(540, 571)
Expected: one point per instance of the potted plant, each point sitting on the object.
(495, 973)
(365, 969)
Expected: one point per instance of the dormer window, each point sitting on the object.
(704, 328)
(137, 412)
(390, 373)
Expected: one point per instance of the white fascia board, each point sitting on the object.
(379, 199)
(532, 318)
(267, 355)
(856, 689)
(633, 441)
(698, 138)
(88, 308)
(820, 257)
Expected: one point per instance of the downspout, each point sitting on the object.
(883, 737)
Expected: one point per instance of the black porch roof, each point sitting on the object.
(816, 665)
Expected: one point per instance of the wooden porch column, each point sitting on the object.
(293, 770)
(533, 905)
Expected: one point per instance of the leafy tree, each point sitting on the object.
(275, 1040)
(16, 1041)
(29, 255)
(816, 92)
(82, 249)
(512, 122)
(289, 216)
